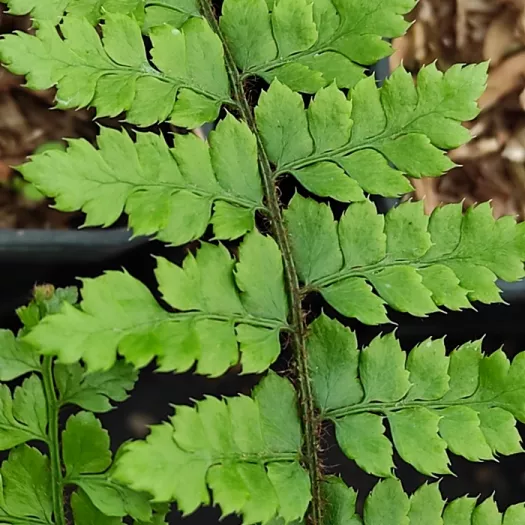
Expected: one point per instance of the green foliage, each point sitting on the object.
(340, 146)
(466, 402)
(224, 308)
(101, 72)
(387, 504)
(87, 458)
(93, 392)
(309, 44)
(244, 450)
(150, 12)
(174, 62)
(30, 413)
(167, 192)
(414, 263)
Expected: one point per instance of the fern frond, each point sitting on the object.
(150, 13)
(338, 148)
(28, 477)
(186, 81)
(414, 263)
(167, 192)
(242, 449)
(224, 307)
(308, 45)
(467, 402)
(388, 504)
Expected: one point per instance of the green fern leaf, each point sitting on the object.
(53, 10)
(338, 148)
(244, 450)
(94, 392)
(309, 44)
(388, 504)
(87, 457)
(25, 491)
(223, 307)
(167, 192)
(79, 458)
(16, 357)
(415, 264)
(113, 73)
(151, 13)
(467, 402)
(172, 12)
(23, 416)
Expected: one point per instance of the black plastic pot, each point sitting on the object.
(34, 256)
(63, 246)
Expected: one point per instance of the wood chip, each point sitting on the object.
(492, 165)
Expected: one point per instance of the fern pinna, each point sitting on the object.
(238, 296)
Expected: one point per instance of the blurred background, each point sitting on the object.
(39, 244)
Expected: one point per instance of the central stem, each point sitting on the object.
(54, 441)
(309, 418)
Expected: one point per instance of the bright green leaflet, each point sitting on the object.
(185, 83)
(340, 147)
(307, 44)
(412, 262)
(150, 12)
(244, 450)
(224, 308)
(170, 193)
(467, 402)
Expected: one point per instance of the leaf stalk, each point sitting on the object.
(53, 439)
(310, 421)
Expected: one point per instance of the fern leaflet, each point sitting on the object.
(415, 263)
(101, 72)
(387, 504)
(339, 147)
(167, 192)
(150, 13)
(223, 308)
(241, 448)
(467, 402)
(307, 45)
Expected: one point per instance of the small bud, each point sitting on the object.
(43, 292)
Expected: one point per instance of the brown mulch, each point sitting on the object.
(469, 31)
(28, 121)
